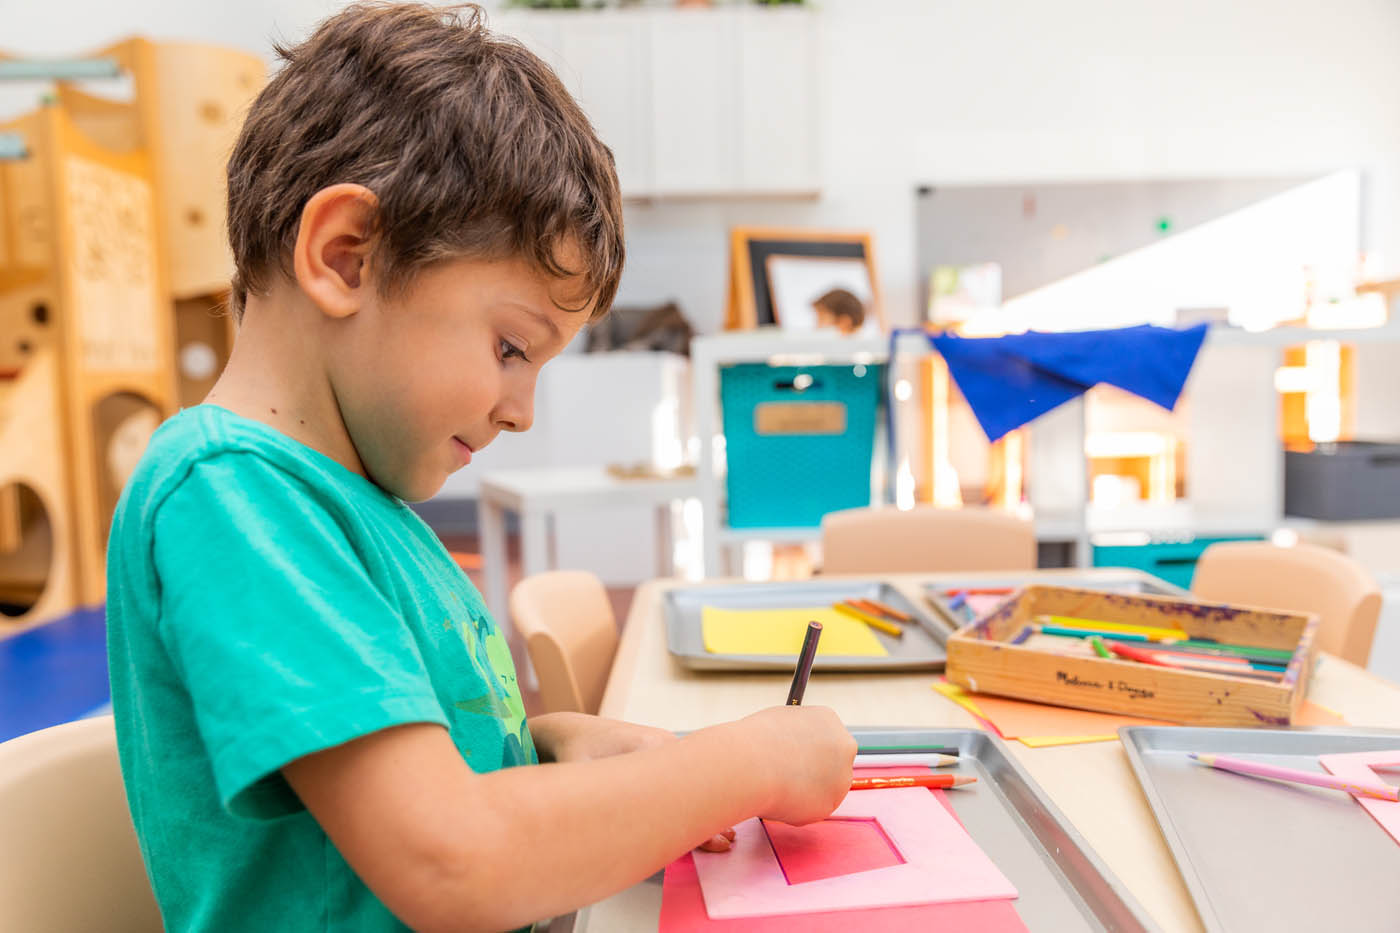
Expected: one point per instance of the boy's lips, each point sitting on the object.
(463, 450)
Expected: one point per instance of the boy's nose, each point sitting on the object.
(517, 413)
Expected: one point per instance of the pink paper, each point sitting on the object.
(940, 863)
(683, 911)
(829, 848)
(1359, 766)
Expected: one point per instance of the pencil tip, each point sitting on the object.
(959, 779)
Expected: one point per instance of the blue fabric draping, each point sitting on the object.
(1009, 381)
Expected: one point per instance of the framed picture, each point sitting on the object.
(777, 273)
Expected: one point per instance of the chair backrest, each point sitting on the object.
(1302, 578)
(69, 859)
(571, 635)
(926, 539)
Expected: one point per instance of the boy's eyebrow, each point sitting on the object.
(544, 319)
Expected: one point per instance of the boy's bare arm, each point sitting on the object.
(448, 849)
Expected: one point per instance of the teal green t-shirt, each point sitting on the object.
(264, 603)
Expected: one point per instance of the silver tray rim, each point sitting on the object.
(1132, 918)
(932, 591)
(1136, 739)
(938, 632)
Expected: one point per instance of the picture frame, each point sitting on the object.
(796, 253)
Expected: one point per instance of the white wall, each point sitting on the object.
(949, 92)
(1022, 90)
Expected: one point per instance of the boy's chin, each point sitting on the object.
(423, 485)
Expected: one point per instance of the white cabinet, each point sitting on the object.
(692, 102)
(778, 91)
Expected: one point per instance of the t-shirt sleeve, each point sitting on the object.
(284, 642)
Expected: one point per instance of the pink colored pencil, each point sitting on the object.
(1315, 778)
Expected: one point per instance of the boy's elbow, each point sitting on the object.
(448, 890)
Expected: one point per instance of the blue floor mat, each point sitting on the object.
(54, 673)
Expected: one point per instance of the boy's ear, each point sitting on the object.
(331, 256)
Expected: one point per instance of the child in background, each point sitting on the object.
(318, 721)
(840, 309)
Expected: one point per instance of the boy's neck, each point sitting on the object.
(276, 374)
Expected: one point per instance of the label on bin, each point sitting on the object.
(799, 418)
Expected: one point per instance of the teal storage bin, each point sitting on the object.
(1172, 561)
(798, 440)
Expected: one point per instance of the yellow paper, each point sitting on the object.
(1042, 741)
(780, 631)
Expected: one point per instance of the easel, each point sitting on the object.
(111, 230)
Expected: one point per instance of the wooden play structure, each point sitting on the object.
(112, 267)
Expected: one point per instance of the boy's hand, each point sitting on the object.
(808, 756)
(581, 737)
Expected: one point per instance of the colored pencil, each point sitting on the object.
(1085, 633)
(945, 750)
(1187, 655)
(1315, 778)
(805, 657)
(981, 591)
(921, 780)
(884, 609)
(957, 601)
(1094, 625)
(1096, 643)
(875, 622)
(1137, 654)
(1248, 652)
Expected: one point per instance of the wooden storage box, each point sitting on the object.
(982, 658)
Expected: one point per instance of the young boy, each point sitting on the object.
(317, 718)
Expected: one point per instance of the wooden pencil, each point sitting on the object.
(1314, 778)
(805, 657)
(875, 622)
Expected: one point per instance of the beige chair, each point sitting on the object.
(571, 635)
(1303, 578)
(68, 855)
(926, 539)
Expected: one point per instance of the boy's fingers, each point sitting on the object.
(717, 843)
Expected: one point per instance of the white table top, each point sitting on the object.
(1092, 783)
(559, 487)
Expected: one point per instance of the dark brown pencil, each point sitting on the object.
(804, 663)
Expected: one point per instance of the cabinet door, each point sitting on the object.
(778, 94)
(601, 58)
(694, 102)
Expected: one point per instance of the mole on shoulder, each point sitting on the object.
(273, 410)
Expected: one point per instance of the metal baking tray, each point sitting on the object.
(921, 648)
(1262, 855)
(1062, 885)
(1125, 581)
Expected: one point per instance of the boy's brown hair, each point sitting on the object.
(469, 141)
(840, 303)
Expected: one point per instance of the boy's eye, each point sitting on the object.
(509, 350)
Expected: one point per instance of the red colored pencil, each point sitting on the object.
(1137, 654)
(981, 591)
(921, 780)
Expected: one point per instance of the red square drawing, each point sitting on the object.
(830, 848)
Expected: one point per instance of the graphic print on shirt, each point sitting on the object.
(491, 656)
